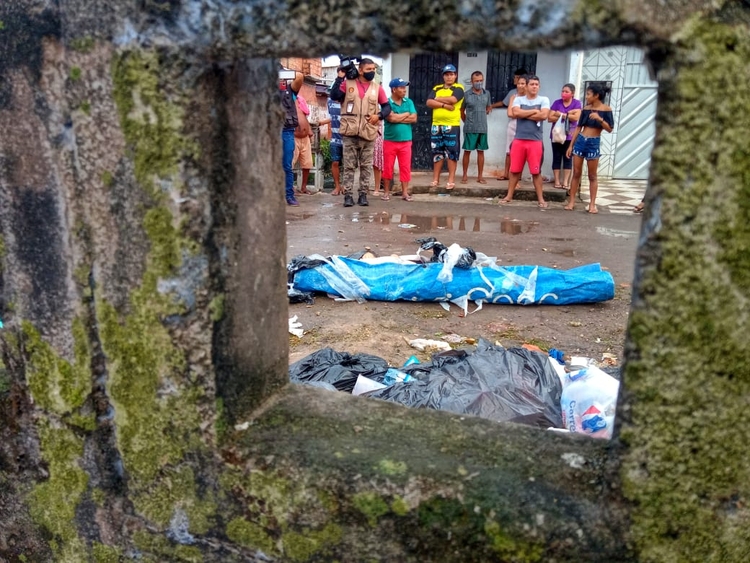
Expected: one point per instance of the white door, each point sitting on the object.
(637, 124)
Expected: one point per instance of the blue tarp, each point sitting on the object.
(513, 285)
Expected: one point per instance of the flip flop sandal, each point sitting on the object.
(505, 201)
(502, 178)
(434, 183)
(482, 181)
(559, 187)
(450, 185)
(407, 198)
(639, 208)
(385, 198)
(543, 205)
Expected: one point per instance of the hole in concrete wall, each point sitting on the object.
(559, 239)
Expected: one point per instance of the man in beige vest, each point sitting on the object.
(360, 98)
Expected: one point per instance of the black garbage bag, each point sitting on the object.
(340, 369)
(301, 262)
(439, 252)
(505, 385)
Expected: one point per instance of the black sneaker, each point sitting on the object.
(362, 200)
(348, 200)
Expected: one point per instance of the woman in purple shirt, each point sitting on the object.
(570, 109)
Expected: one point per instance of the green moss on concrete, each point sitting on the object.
(686, 465)
(82, 44)
(176, 489)
(158, 549)
(390, 467)
(251, 535)
(217, 308)
(57, 385)
(280, 515)
(399, 506)
(157, 415)
(52, 503)
(487, 507)
(152, 125)
(105, 554)
(108, 178)
(85, 107)
(75, 73)
(371, 505)
(508, 548)
(303, 546)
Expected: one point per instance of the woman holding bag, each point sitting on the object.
(563, 112)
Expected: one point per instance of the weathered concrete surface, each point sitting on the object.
(141, 220)
(684, 413)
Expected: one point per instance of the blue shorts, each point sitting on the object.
(587, 147)
(444, 140)
(337, 152)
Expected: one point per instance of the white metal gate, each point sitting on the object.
(637, 124)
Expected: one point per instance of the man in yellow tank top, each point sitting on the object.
(446, 100)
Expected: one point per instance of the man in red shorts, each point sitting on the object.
(531, 111)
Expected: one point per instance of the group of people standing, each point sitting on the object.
(362, 117)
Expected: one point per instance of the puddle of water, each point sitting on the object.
(615, 232)
(425, 224)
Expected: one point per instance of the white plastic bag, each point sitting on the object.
(558, 130)
(588, 402)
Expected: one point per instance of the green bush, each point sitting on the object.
(325, 151)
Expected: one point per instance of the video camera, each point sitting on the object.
(348, 64)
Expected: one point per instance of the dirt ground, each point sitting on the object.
(519, 233)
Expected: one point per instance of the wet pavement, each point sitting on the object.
(520, 233)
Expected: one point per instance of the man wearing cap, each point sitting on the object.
(446, 100)
(359, 124)
(397, 138)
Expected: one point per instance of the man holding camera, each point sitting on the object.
(360, 98)
(288, 91)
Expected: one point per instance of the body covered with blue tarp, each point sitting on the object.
(514, 285)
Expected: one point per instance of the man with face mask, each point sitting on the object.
(477, 105)
(359, 125)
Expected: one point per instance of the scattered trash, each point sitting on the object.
(557, 355)
(608, 360)
(575, 323)
(338, 369)
(515, 384)
(452, 338)
(365, 385)
(589, 400)
(295, 327)
(500, 384)
(423, 344)
(411, 361)
(407, 226)
(393, 376)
